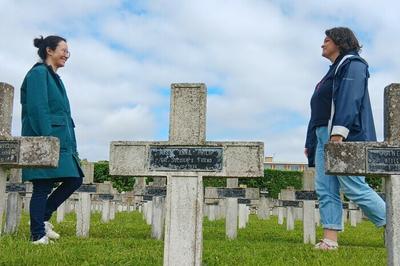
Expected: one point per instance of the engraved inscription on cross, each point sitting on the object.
(185, 159)
(381, 159)
(20, 152)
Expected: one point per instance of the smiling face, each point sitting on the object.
(57, 58)
(330, 50)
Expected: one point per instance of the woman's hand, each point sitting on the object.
(306, 152)
(337, 139)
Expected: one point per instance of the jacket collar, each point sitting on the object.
(55, 76)
(346, 58)
(49, 68)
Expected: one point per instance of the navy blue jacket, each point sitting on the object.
(351, 115)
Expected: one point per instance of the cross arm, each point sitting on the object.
(19, 152)
(362, 158)
(232, 159)
(222, 192)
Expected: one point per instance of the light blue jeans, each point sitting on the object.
(354, 187)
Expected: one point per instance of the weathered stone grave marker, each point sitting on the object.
(105, 193)
(185, 159)
(287, 202)
(308, 198)
(106, 207)
(156, 214)
(153, 200)
(244, 212)
(28, 196)
(236, 201)
(14, 190)
(83, 211)
(304, 201)
(138, 187)
(20, 152)
(381, 159)
(354, 213)
(264, 206)
(309, 179)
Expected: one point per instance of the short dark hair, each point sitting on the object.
(50, 41)
(344, 38)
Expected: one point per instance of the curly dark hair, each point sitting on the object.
(345, 39)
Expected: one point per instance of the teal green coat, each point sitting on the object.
(46, 112)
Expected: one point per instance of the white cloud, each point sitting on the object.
(264, 55)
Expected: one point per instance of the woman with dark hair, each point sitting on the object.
(46, 112)
(341, 111)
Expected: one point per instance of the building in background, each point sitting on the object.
(287, 166)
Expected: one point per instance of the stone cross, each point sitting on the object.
(235, 206)
(308, 199)
(154, 200)
(84, 201)
(14, 201)
(185, 159)
(309, 178)
(381, 159)
(232, 182)
(20, 152)
(264, 206)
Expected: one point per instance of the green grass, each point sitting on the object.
(127, 241)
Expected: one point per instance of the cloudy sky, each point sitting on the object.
(260, 61)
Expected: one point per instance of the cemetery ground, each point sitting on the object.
(127, 241)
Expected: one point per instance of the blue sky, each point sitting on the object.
(259, 59)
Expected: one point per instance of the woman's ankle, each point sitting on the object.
(331, 235)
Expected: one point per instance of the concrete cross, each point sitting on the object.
(185, 159)
(20, 152)
(14, 189)
(83, 210)
(235, 200)
(381, 159)
(153, 202)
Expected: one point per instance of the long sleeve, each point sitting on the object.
(37, 102)
(348, 98)
(311, 143)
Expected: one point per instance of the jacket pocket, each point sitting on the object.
(57, 120)
(59, 130)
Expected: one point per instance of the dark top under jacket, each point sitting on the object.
(321, 102)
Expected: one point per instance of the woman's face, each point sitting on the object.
(329, 49)
(59, 56)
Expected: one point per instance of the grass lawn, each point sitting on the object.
(127, 241)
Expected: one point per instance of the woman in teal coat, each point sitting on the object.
(46, 112)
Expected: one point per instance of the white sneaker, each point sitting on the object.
(43, 241)
(48, 228)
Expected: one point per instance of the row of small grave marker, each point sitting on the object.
(236, 201)
(184, 204)
(156, 215)
(224, 203)
(15, 190)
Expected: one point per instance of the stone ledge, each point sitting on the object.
(34, 152)
(350, 158)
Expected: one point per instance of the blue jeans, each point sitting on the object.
(42, 205)
(354, 187)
